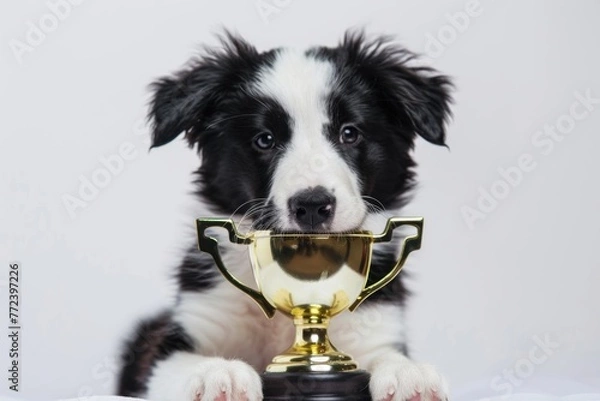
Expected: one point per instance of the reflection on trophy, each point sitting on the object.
(311, 278)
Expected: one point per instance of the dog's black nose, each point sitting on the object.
(312, 208)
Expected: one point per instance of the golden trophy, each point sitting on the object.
(311, 278)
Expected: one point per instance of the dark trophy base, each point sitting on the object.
(315, 386)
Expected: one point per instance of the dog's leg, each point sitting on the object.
(191, 377)
(395, 377)
(374, 335)
(161, 363)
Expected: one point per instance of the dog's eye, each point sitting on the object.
(264, 141)
(349, 134)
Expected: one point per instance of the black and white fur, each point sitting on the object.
(315, 140)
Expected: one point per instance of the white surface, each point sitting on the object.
(514, 397)
(482, 295)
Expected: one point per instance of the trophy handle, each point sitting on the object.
(409, 244)
(210, 245)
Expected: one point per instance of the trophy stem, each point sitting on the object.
(312, 350)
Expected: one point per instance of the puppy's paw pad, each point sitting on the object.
(407, 381)
(223, 380)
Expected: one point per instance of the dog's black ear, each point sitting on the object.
(416, 96)
(184, 101)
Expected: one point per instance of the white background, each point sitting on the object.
(483, 293)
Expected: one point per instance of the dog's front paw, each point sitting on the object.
(218, 379)
(403, 380)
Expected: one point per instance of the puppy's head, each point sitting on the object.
(309, 141)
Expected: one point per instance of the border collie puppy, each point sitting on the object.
(315, 140)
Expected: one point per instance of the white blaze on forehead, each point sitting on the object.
(301, 85)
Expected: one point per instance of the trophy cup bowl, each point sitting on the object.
(311, 278)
